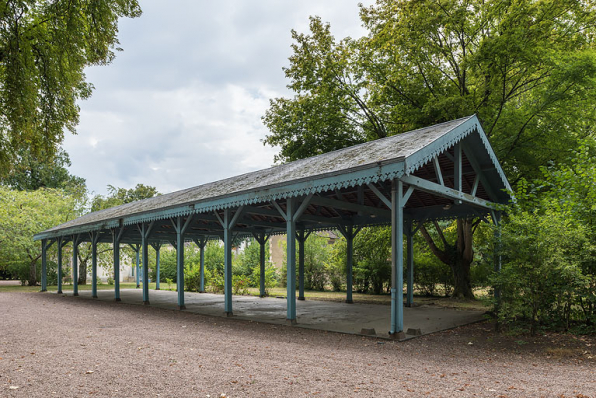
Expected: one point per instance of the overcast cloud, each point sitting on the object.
(182, 104)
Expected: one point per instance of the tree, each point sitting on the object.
(526, 68)
(32, 172)
(22, 215)
(115, 197)
(44, 48)
(120, 196)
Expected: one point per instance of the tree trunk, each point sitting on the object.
(458, 256)
(32, 273)
(83, 271)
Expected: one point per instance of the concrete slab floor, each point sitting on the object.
(311, 314)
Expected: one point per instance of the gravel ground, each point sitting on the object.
(67, 347)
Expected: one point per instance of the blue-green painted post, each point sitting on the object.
(180, 263)
(349, 233)
(349, 262)
(410, 265)
(397, 258)
(202, 267)
(300, 237)
(137, 250)
(145, 230)
(44, 271)
(59, 248)
(94, 237)
(75, 265)
(157, 265)
(116, 235)
(201, 242)
(180, 228)
(157, 247)
(227, 262)
(291, 261)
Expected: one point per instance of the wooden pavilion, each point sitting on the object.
(445, 171)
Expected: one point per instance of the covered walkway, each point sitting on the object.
(444, 171)
(313, 314)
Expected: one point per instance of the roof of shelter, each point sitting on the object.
(371, 162)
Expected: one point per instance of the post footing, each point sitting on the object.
(59, 292)
(349, 301)
(291, 322)
(301, 298)
(117, 299)
(181, 307)
(75, 294)
(146, 302)
(229, 314)
(94, 296)
(397, 335)
(43, 290)
(157, 288)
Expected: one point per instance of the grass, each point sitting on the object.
(384, 299)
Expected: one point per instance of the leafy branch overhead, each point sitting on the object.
(44, 48)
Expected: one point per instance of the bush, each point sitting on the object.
(192, 278)
(541, 279)
(240, 284)
(271, 277)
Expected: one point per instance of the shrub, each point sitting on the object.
(240, 284)
(271, 277)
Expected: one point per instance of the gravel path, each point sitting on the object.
(67, 347)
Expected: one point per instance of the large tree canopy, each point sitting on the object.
(44, 47)
(527, 68)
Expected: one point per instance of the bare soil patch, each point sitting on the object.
(52, 345)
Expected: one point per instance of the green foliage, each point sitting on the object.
(527, 71)
(44, 49)
(33, 172)
(240, 284)
(192, 278)
(429, 272)
(249, 259)
(372, 260)
(548, 278)
(317, 252)
(22, 215)
(526, 68)
(120, 196)
(271, 277)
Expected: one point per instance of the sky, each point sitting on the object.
(181, 105)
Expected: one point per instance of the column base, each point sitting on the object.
(229, 314)
(94, 296)
(146, 302)
(157, 288)
(291, 322)
(75, 294)
(301, 298)
(262, 295)
(408, 305)
(201, 291)
(138, 286)
(397, 335)
(181, 307)
(59, 292)
(43, 290)
(117, 299)
(349, 301)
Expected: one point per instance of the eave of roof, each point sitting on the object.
(372, 161)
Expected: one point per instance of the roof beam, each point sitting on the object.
(338, 204)
(446, 192)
